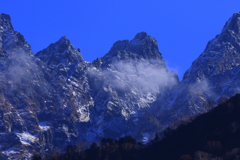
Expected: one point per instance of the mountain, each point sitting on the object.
(54, 98)
(125, 82)
(212, 77)
(42, 100)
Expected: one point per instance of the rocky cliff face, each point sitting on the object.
(212, 77)
(125, 83)
(22, 82)
(43, 97)
(55, 98)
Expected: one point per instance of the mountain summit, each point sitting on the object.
(5, 22)
(142, 46)
(233, 23)
(61, 51)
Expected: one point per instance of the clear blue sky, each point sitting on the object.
(181, 27)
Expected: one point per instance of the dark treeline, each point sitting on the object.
(125, 148)
(211, 136)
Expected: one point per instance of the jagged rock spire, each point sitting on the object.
(61, 51)
(12, 42)
(5, 22)
(141, 35)
(233, 23)
(141, 46)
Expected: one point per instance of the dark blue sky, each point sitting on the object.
(181, 27)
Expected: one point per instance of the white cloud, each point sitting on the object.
(144, 76)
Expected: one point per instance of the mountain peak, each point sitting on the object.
(141, 35)
(62, 51)
(63, 43)
(233, 23)
(5, 21)
(142, 45)
(5, 17)
(64, 39)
